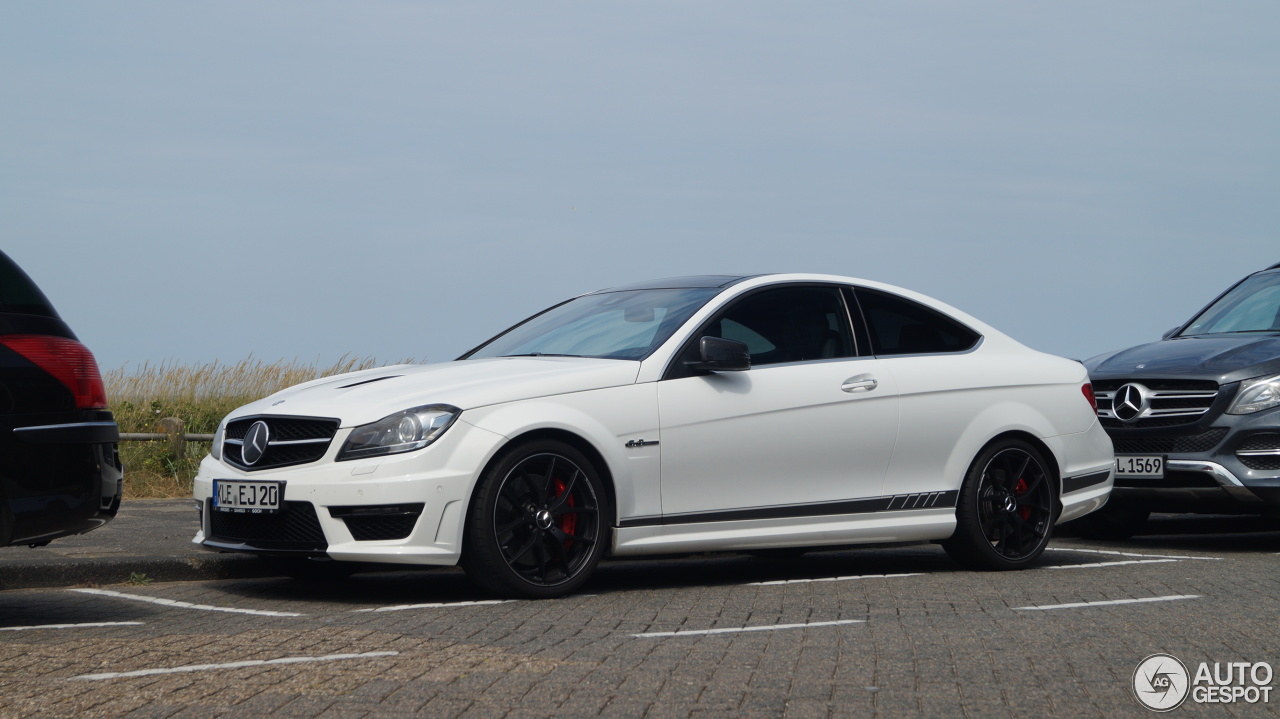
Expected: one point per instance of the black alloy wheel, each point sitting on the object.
(1007, 508)
(536, 524)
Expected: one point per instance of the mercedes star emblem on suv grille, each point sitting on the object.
(1129, 403)
(255, 443)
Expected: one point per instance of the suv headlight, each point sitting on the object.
(401, 432)
(1256, 395)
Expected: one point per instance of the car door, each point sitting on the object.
(810, 425)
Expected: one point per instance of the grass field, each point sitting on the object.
(199, 395)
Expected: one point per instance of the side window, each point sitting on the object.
(899, 326)
(789, 324)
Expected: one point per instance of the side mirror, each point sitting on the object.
(721, 355)
(1170, 333)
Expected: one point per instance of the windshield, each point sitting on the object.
(1253, 306)
(611, 325)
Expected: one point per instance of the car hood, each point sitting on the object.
(1223, 358)
(362, 397)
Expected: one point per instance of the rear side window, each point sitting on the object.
(18, 294)
(899, 326)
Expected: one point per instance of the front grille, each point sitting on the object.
(1262, 441)
(1264, 464)
(1260, 451)
(1172, 480)
(1187, 444)
(295, 526)
(291, 440)
(1168, 403)
(369, 523)
(367, 529)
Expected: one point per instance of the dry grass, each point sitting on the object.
(199, 395)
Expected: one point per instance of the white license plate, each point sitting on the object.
(1140, 465)
(247, 497)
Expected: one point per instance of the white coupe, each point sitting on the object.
(683, 415)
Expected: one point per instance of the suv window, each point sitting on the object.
(899, 326)
(789, 324)
(1251, 306)
(18, 294)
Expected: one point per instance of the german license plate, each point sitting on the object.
(1140, 465)
(247, 497)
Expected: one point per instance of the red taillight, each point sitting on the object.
(67, 360)
(1088, 394)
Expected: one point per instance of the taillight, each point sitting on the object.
(67, 360)
(1087, 388)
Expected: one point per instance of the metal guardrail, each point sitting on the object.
(162, 437)
(171, 432)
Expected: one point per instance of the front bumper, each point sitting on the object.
(397, 509)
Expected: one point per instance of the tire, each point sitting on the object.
(1006, 510)
(1114, 521)
(538, 522)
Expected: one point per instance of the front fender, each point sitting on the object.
(607, 419)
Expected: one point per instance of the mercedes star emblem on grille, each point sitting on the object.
(255, 443)
(1129, 403)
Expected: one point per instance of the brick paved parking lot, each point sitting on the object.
(873, 632)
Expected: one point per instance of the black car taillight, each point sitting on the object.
(70, 362)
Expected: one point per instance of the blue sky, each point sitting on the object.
(200, 181)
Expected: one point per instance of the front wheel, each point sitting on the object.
(538, 522)
(1007, 507)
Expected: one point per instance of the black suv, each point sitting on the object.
(60, 473)
(1195, 417)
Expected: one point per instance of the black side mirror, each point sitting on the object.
(721, 355)
(1170, 333)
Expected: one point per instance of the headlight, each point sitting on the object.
(1256, 395)
(215, 451)
(401, 432)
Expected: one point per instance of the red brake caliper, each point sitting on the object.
(1020, 489)
(568, 522)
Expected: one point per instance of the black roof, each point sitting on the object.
(683, 283)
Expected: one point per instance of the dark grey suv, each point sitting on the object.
(1195, 417)
(60, 473)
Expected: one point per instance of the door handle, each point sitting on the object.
(861, 383)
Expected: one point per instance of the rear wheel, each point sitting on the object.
(1006, 510)
(537, 524)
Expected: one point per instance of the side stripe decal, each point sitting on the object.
(899, 502)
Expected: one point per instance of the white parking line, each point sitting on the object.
(436, 605)
(1111, 564)
(185, 605)
(732, 630)
(831, 579)
(230, 665)
(1127, 554)
(85, 625)
(1171, 598)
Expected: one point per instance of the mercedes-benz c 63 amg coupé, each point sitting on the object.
(683, 415)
